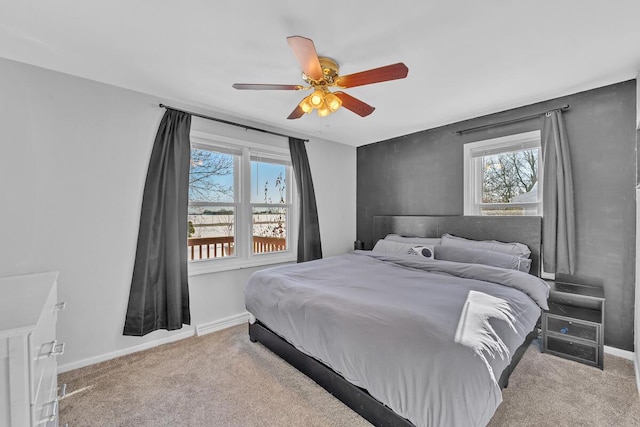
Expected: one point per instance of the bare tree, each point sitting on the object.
(508, 175)
(280, 186)
(276, 223)
(206, 166)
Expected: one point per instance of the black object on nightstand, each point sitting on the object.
(573, 327)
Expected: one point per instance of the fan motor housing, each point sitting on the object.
(330, 70)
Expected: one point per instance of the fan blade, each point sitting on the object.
(296, 114)
(375, 75)
(305, 52)
(245, 86)
(354, 104)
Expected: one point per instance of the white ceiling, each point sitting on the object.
(465, 58)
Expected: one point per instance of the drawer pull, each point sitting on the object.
(54, 413)
(61, 306)
(63, 392)
(56, 349)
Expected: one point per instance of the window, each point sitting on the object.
(241, 206)
(270, 205)
(502, 176)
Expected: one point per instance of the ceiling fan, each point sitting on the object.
(321, 73)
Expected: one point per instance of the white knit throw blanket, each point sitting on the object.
(474, 330)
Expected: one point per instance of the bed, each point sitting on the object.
(377, 329)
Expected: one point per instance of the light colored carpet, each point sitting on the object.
(222, 379)
(546, 390)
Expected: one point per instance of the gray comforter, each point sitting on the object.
(387, 324)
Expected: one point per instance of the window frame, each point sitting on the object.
(473, 170)
(243, 254)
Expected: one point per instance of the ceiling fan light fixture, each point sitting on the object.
(322, 73)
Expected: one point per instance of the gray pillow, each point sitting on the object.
(517, 249)
(413, 240)
(480, 256)
(389, 247)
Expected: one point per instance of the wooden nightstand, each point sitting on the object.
(573, 327)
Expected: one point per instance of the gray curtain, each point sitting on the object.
(159, 296)
(559, 255)
(309, 247)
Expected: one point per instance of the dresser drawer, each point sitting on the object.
(576, 350)
(47, 414)
(45, 407)
(42, 343)
(573, 328)
(46, 382)
(45, 331)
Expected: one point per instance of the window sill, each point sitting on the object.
(197, 268)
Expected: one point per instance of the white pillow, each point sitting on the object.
(398, 248)
(426, 251)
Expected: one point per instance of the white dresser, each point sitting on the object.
(28, 349)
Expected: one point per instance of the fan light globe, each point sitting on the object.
(306, 105)
(324, 111)
(333, 102)
(316, 99)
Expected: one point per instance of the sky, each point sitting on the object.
(266, 173)
(262, 174)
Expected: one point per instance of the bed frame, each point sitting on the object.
(527, 230)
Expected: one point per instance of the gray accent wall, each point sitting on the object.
(422, 174)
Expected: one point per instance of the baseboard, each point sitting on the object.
(129, 350)
(227, 322)
(625, 354)
(199, 330)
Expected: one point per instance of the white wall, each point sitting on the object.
(335, 194)
(73, 161)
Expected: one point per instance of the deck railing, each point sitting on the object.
(217, 247)
(210, 247)
(268, 244)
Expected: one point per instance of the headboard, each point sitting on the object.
(523, 229)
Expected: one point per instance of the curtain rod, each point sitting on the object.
(506, 122)
(228, 122)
